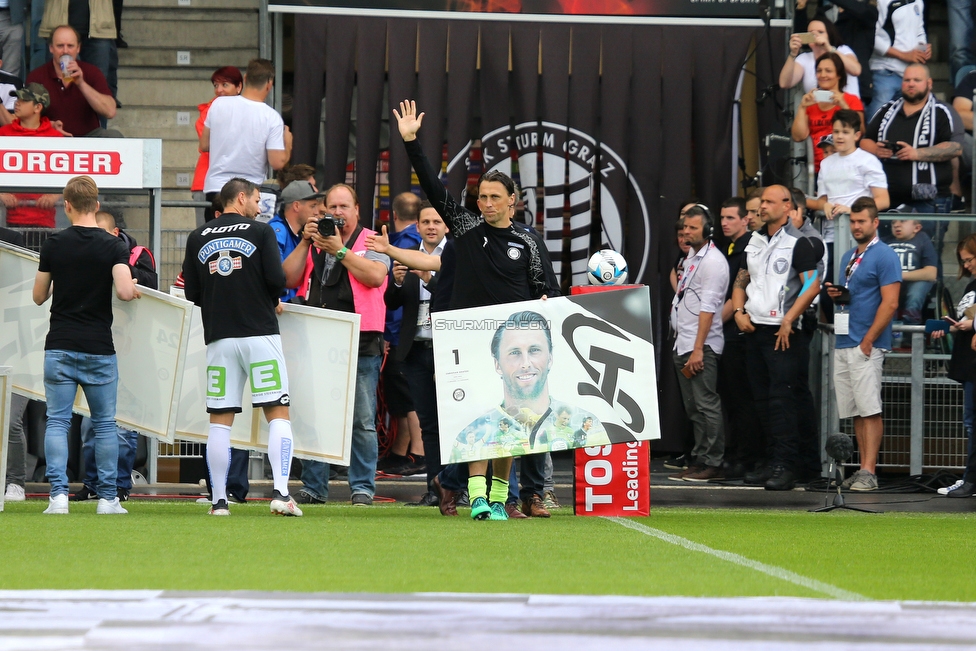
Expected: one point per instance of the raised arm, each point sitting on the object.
(454, 215)
(380, 242)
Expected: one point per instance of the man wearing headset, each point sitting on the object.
(699, 342)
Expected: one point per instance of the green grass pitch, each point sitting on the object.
(392, 548)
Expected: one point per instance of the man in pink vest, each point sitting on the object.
(331, 268)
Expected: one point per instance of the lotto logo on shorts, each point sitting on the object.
(216, 381)
(265, 377)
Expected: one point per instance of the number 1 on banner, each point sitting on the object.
(456, 358)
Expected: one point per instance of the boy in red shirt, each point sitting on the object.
(29, 121)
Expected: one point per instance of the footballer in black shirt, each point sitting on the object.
(232, 271)
(498, 262)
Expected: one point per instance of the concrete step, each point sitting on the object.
(136, 122)
(210, 58)
(131, 5)
(178, 179)
(184, 31)
(180, 154)
(163, 92)
(167, 72)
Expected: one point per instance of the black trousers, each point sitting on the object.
(744, 439)
(418, 368)
(782, 395)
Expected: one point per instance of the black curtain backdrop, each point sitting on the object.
(624, 123)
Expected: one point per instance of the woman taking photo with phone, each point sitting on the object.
(822, 37)
(815, 115)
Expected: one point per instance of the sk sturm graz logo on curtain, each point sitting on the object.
(587, 162)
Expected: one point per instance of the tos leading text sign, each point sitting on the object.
(613, 480)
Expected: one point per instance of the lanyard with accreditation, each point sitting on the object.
(841, 315)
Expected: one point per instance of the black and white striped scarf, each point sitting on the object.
(924, 133)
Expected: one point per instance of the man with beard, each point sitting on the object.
(770, 294)
(872, 274)
(699, 342)
(912, 136)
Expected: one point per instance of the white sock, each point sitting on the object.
(218, 460)
(279, 453)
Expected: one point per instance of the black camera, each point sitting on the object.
(327, 225)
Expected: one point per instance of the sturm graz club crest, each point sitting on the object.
(573, 155)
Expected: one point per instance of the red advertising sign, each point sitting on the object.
(114, 163)
(613, 480)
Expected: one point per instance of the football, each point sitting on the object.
(606, 267)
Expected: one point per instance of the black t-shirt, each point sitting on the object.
(232, 270)
(737, 261)
(899, 172)
(497, 265)
(962, 365)
(79, 16)
(916, 253)
(80, 260)
(966, 87)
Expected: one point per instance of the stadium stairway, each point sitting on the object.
(174, 47)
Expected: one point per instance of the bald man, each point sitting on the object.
(777, 282)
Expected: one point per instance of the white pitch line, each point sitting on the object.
(736, 559)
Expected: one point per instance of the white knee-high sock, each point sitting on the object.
(279, 453)
(218, 460)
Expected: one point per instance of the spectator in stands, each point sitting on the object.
(856, 20)
(243, 134)
(962, 59)
(227, 82)
(753, 202)
(82, 263)
(845, 176)
(744, 446)
(94, 23)
(814, 116)
(699, 343)
(296, 172)
(899, 40)
(768, 311)
(16, 441)
(872, 274)
(338, 273)
(802, 66)
(30, 210)
(919, 267)
(913, 137)
(962, 102)
(300, 202)
(80, 96)
(406, 455)
(12, 14)
(144, 272)
(962, 365)
(412, 291)
(9, 85)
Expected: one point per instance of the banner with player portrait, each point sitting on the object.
(539, 376)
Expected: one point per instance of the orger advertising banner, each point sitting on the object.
(542, 376)
(150, 336)
(321, 350)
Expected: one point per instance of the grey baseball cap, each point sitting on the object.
(299, 191)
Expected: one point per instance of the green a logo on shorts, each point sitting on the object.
(265, 377)
(216, 381)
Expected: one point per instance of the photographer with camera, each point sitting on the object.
(332, 268)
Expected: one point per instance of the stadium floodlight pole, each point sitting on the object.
(839, 448)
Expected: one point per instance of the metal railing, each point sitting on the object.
(922, 406)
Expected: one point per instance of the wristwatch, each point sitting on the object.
(341, 253)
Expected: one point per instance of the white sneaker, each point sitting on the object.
(942, 491)
(109, 507)
(14, 493)
(58, 504)
(286, 506)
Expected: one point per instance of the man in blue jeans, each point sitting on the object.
(82, 263)
(333, 269)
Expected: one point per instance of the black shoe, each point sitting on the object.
(462, 498)
(759, 476)
(429, 499)
(734, 470)
(304, 497)
(392, 461)
(120, 43)
(968, 489)
(679, 462)
(84, 495)
(781, 480)
(122, 494)
(338, 472)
